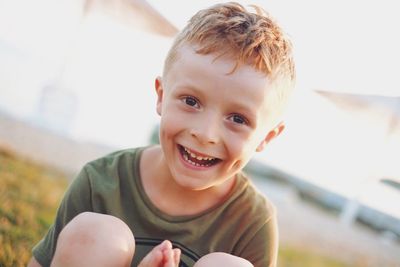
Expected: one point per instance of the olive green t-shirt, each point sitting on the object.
(243, 225)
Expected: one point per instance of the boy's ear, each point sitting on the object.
(159, 90)
(275, 132)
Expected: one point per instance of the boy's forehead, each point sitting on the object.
(188, 56)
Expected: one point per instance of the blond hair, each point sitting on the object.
(228, 29)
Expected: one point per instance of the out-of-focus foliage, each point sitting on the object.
(296, 257)
(29, 196)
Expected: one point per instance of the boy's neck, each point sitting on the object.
(170, 197)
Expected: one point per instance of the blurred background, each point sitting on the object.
(77, 81)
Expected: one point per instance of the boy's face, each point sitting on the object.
(211, 121)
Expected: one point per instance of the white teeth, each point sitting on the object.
(197, 157)
(192, 155)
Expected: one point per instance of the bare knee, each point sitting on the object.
(93, 239)
(217, 259)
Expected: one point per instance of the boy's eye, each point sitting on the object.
(190, 101)
(238, 119)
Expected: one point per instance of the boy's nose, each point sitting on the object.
(206, 132)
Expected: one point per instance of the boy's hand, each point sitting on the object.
(162, 255)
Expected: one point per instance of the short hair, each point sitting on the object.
(228, 29)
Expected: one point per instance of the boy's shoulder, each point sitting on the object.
(125, 161)
(251, 201)
(116, 157)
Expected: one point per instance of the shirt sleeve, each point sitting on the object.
(77, 199)
(262, 249)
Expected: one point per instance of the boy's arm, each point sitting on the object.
(262, 248)
(77, 199)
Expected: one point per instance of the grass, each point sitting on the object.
(296, 257)
(29, 196)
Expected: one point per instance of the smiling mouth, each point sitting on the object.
(197, 160)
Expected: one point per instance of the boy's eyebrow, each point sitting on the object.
(188, 86)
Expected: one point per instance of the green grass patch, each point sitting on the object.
(29, 196)
(296, 257)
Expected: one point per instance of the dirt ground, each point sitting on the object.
(304, 225)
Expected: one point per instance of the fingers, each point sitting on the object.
(166, 244)
(162, 255)
(154, 258)
(171, 256)
(177, 256)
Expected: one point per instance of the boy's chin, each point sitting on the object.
(192, 184)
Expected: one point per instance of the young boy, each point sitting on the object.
(186, 202)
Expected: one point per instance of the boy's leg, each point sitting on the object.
(93, 239)
(217, 259)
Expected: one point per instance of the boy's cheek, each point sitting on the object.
(242, 147)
